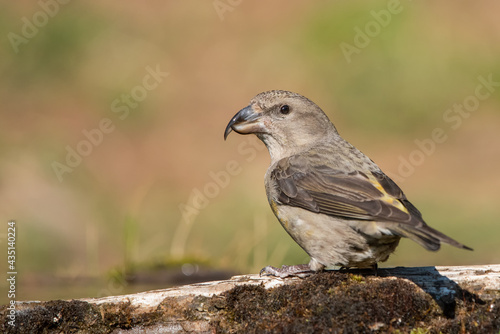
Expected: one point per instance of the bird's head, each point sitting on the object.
(286, 122)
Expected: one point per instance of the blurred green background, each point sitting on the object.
(161, 195)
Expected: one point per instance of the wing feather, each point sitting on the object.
(365, 196)
(368, 195)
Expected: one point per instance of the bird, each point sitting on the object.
(333, 200)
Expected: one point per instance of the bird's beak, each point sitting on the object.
(246, 121)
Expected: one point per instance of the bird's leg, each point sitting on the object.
(298, 270)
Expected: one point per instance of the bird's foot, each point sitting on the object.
(299, 270)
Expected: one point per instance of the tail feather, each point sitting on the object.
(428, 237)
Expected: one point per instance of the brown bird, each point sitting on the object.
(332, 199)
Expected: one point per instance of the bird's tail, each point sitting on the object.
(428, 237)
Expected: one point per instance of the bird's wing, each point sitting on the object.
(356, 195)
(369, 196)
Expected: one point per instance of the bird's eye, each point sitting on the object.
(285, 109)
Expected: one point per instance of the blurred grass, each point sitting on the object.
(119, 209)
(54, 54)
(408, 75)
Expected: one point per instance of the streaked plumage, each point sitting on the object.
(333, 200)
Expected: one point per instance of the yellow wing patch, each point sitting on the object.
(386, 197)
